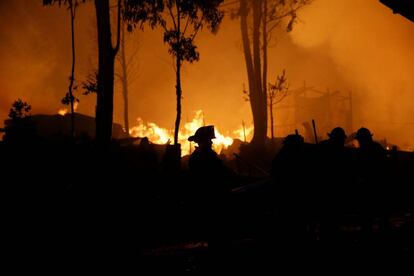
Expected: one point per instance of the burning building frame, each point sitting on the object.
(304, 104)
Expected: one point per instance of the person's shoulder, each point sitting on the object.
(213, 152)
(195, 154)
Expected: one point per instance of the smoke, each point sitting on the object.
(372, 49)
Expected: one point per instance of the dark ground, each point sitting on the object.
(66, 204)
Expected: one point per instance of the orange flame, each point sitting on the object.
(64, 111)
(158, 135)
(243, 133)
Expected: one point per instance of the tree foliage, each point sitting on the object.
(278, 89)
(19, 110)
(166, 13)
(62, 2)
(20, 128)
(90, 85)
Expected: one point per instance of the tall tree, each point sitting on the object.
(124, 78)
(276, 93)
(69, 97)
(126, 71)
(106, 60)
(181, 21)
(265, 16)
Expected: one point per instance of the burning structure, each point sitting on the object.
(304, 104)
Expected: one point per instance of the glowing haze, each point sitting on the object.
(346, 45)
(373, 51)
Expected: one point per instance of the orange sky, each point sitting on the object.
(341, 45)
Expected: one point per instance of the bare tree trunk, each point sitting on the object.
(178, 94)
(265, 64)
(257, 75)
(72, 75)
(249, 65)
(260, 129)
(246, 45)
(124, 76)
(178, 81)
(271, 118)
(104, 108)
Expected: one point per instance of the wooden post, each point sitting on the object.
(351, 111)
(244, 131)
(314, 131)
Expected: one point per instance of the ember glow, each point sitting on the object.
(65, 110)
(158, 135)
(243, 132)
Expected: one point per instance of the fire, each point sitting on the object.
(154, 133)
(158, 135)
(243, 132)
(64, 111)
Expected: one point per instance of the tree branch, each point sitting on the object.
(186, 25)
(197, 28)
(172, 16)
(118, 36)
(272, 27)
